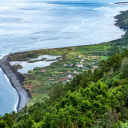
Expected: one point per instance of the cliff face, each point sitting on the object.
(16, 80)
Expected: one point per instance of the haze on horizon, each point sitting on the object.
(88, 1)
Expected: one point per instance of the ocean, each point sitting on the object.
(35, 24)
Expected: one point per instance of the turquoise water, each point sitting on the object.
(35, 24)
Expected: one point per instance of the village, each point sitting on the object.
(84, 65)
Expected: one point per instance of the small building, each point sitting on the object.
(69, 76)
(68, 71)
(71, 65)
(80, 65)
(43, 71)
(50, 79)
(94, 67)
(75, 72)
(65, 65)
(93, 62)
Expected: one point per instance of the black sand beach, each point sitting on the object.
(16, 80)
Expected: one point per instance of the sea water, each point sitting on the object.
(35, 24)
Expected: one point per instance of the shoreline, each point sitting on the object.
(16, 79)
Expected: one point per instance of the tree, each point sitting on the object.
(37, 115)
(8, 119)
(3, 124)
(28, 123)
(124, 63)
(57, 91)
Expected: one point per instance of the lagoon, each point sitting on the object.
(27, 66)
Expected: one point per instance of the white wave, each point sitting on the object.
(15, 106)
(6, 77)
(4, 55)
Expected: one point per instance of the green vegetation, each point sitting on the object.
(94, 98)
(17, 67)
(122, 20)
